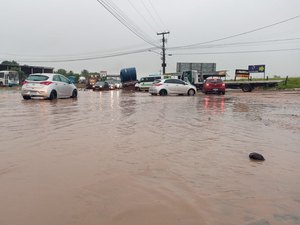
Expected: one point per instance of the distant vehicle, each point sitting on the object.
(213, 85)
(9, 78)
(145, 82)
(48, 86)
(111, 84)
(118, 84)
(100, 85)
(128, 77)
(82, 80)
(91, 81)
(172, 86)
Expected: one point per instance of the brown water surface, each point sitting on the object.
(125, 158)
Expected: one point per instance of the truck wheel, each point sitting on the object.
(246, 88)
(163, 92)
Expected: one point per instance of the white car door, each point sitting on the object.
(171, 86)
(58, 85)
(181, 87)
(66, 87)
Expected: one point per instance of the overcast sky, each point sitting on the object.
(36, 32)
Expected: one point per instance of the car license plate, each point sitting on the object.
(215, 89)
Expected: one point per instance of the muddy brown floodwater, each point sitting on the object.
(125, 158)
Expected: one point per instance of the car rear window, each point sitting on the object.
(37, 78)
(218, 81)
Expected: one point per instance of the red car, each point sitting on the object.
(214, 85)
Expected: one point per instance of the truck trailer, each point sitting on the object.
(197, 79)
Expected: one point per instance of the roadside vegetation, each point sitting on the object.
(287, 82)
(290, 83)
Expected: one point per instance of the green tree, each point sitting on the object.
(70, 73)
(10, 63)
(85, 73)
(61, 71)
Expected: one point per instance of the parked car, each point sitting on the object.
(172, 86)
(111, 84)
(48, 86)
(100, 85)
(118, 84)
(214, 85)
(145, 83)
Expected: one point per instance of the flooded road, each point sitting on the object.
(125, 158)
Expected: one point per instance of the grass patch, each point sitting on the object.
(292, 82)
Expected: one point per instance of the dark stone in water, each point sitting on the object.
(256, 156)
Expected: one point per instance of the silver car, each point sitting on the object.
(172, 86)
(48, 86)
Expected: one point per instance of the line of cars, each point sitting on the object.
(180, 87)
(53, 86)
(107, 85)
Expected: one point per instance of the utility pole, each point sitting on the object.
(163, 51)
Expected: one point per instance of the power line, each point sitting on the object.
(117, 13)
(116, 54)
(157, 14)
(89, 58)
(143, 17)
(83, 54)
(245, 43)
(149, 12)
(237, 52)
(236, 35)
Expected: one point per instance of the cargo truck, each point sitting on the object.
(128, 77)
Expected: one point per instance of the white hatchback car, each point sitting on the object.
(172, 86)
(48, 86)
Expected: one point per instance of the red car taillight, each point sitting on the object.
(223, 85)
(207, 84)
(24, 82)
(158, 84)
(46, 83)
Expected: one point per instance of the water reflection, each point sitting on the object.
(214, 104)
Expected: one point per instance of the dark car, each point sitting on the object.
(214, 85)
(100, 85)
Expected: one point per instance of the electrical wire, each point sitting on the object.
(88, 58)
(237, 52)
(122, 18)
(157, 14)
(236, 35)
(141, 15)
(135, 51)
(250, 43)
(149, 12)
